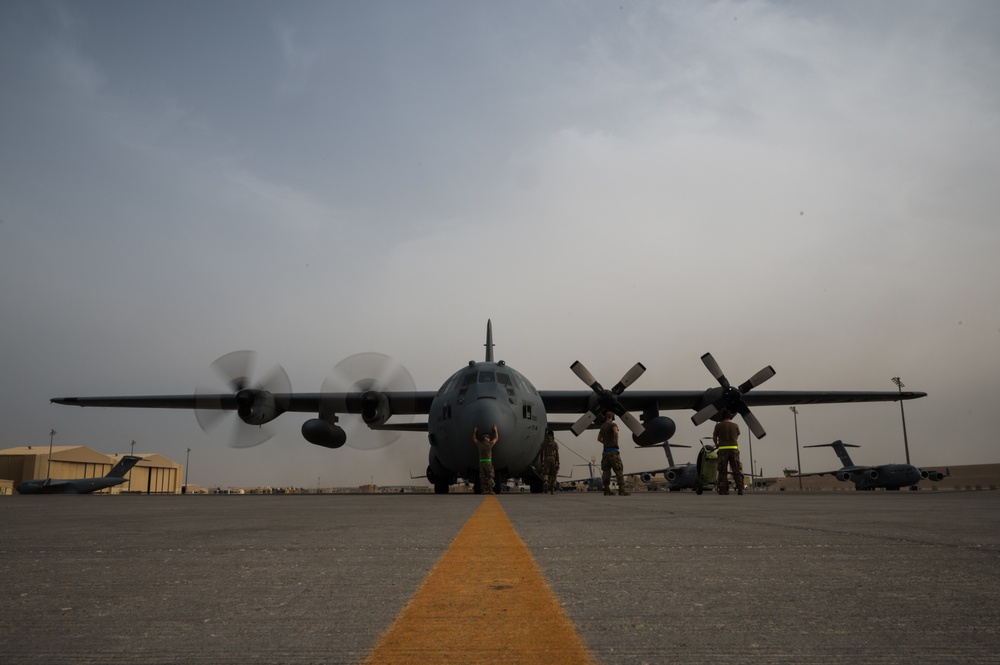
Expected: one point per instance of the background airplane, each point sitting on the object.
(116, 476)
(889, 476)
(678, 476)
(370, 399)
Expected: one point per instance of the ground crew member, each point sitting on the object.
(726, 439)
(550, 462)
(611, 459)
(485, 445)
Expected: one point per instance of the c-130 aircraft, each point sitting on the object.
(480, 395)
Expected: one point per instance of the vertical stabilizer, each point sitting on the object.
(841, 450)
(666, 449)
(124, 466)
(489, 341)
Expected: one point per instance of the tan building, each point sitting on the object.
(155, 474)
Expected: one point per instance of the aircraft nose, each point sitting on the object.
(486, 413)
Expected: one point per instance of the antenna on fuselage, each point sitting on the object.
(489, 341)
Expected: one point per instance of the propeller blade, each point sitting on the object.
(705, 414)
(732, 398)
(236, 370)
(369, 371)
(629, 378)
(208, 411)
(584, 374)
(581, 425)
(632, 423)
(607, 400)
(753, 423)
(248, 436)
(715, 370)
(757, 379)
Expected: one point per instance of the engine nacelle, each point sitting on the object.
(871, 474)
(843, 476)
(321, 433)
(375, 408)
(658, 430)
(670, 475)
(256, 407)
(932, 475)
(646, 477)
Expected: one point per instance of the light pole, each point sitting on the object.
(48, 464)
(130, 475)
(906, 444)
(187, 468)
(798, 459)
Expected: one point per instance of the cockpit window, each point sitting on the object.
(503, 379)
(450, 383)
(487, 377)
(470, 378)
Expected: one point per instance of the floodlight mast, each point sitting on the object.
(902, 413)
(798, 458)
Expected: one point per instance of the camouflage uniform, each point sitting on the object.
(550, 462)
(611, 459)
(726, 438)
(485, 447)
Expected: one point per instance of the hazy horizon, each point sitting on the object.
(804, 185)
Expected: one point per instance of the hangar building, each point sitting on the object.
(154, 474)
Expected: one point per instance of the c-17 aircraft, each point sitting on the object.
(116, 476)
(678, 476)
(477, 396)
(889, 476)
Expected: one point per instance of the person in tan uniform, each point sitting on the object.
(726, 439)
(550, 461)
(611, 459)
(484, 444)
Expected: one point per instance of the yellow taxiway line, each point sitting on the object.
(485, 601)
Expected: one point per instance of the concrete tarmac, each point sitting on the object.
(651, 578)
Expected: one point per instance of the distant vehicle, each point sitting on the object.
(116, 476)
(889, 476)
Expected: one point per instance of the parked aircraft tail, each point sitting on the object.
(124, 466)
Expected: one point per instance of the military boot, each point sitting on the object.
(623, 492)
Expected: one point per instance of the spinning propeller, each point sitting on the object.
(607, 400)
(731, 398)
(256, 403)
(370, 373)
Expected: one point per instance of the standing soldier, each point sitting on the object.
(485, 445)
(550, 461)
(726, 439)
(611, 459)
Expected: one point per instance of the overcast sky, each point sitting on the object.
(809, 185)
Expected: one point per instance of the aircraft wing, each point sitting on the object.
(405, 403)
(806, 475)
(419, 402)
(848, 469)
(578, 401)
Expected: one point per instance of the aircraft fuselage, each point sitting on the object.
(76, 486)
(889, 476)
(478, 397)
